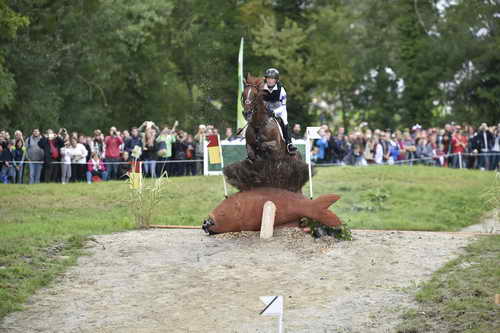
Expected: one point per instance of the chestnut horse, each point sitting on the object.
(263, 134)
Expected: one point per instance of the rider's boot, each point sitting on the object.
(292, 150)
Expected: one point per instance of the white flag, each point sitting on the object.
(274, 305)
(313, 133)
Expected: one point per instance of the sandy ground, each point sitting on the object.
(184, 281)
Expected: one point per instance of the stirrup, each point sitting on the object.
(291, 149)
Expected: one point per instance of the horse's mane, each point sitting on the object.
(254, 80)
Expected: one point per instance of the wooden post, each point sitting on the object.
(267, 225)
(309, 167)
(497, 299)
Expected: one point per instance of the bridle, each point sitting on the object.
(248, 102)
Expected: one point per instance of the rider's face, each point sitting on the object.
(270, 81)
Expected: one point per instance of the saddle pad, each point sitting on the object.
(279, 126)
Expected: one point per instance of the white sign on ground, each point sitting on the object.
(274, 307)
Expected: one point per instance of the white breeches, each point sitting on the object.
(281, 112)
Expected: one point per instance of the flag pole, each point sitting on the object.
(222, 166)
(240, 121)
(308, 158)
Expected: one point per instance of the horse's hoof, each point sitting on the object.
(207, 224)
(292, 150)
(319, 232)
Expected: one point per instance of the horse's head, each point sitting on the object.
(252, 88)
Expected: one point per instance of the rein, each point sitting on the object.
(247, 101)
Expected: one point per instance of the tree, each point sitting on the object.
(285, 48)
(10, 23)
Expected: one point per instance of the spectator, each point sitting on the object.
(339, 146)
(296, 132)
(19, 154)
(448, 134)
(471, 157)
(440, 137)
(495, 150)
(51, 144)
(322, 144)
(378, 150)
(18, 136)
(133, 141)
(229, 135)
(112, 151)
(125, 166)
(125, 136)
(355, 157)
(149, 153)
(35, 156)
(368, 152)
(66, 162)
(409, 147)
(393, 149)
(199, 140)
(6, 136)
(78, 153)
(88, 143)
(484, 142)
(458, 146)
(179, 151)
(424, 152)
(96, 168)
(314, 154)
(440, 156)
(148, 125)
(190, 147)
(7, 172)
(63, 134)
(165, 140)
(98, 143)
(384, 141)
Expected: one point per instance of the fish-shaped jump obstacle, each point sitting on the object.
(243, 211)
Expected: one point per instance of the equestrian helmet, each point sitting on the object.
(272, 73)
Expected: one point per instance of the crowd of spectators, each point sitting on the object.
(453, 146)
(72, 157)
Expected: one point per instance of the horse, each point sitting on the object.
(264, 140)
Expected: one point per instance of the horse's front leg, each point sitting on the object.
(251, 153)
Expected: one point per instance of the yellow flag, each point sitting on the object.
(135, 176)
(135, 180)
(214, 155)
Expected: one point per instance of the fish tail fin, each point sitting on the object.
(325, 201)
(319, 210)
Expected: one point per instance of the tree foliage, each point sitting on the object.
(86, 64)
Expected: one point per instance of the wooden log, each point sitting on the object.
(159, 226)
(267, 225)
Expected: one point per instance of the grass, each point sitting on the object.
(43, 227)
(460, 295)
(406, 198)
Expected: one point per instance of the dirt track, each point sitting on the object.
(184, 281)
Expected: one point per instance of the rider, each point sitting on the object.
(276, 102)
